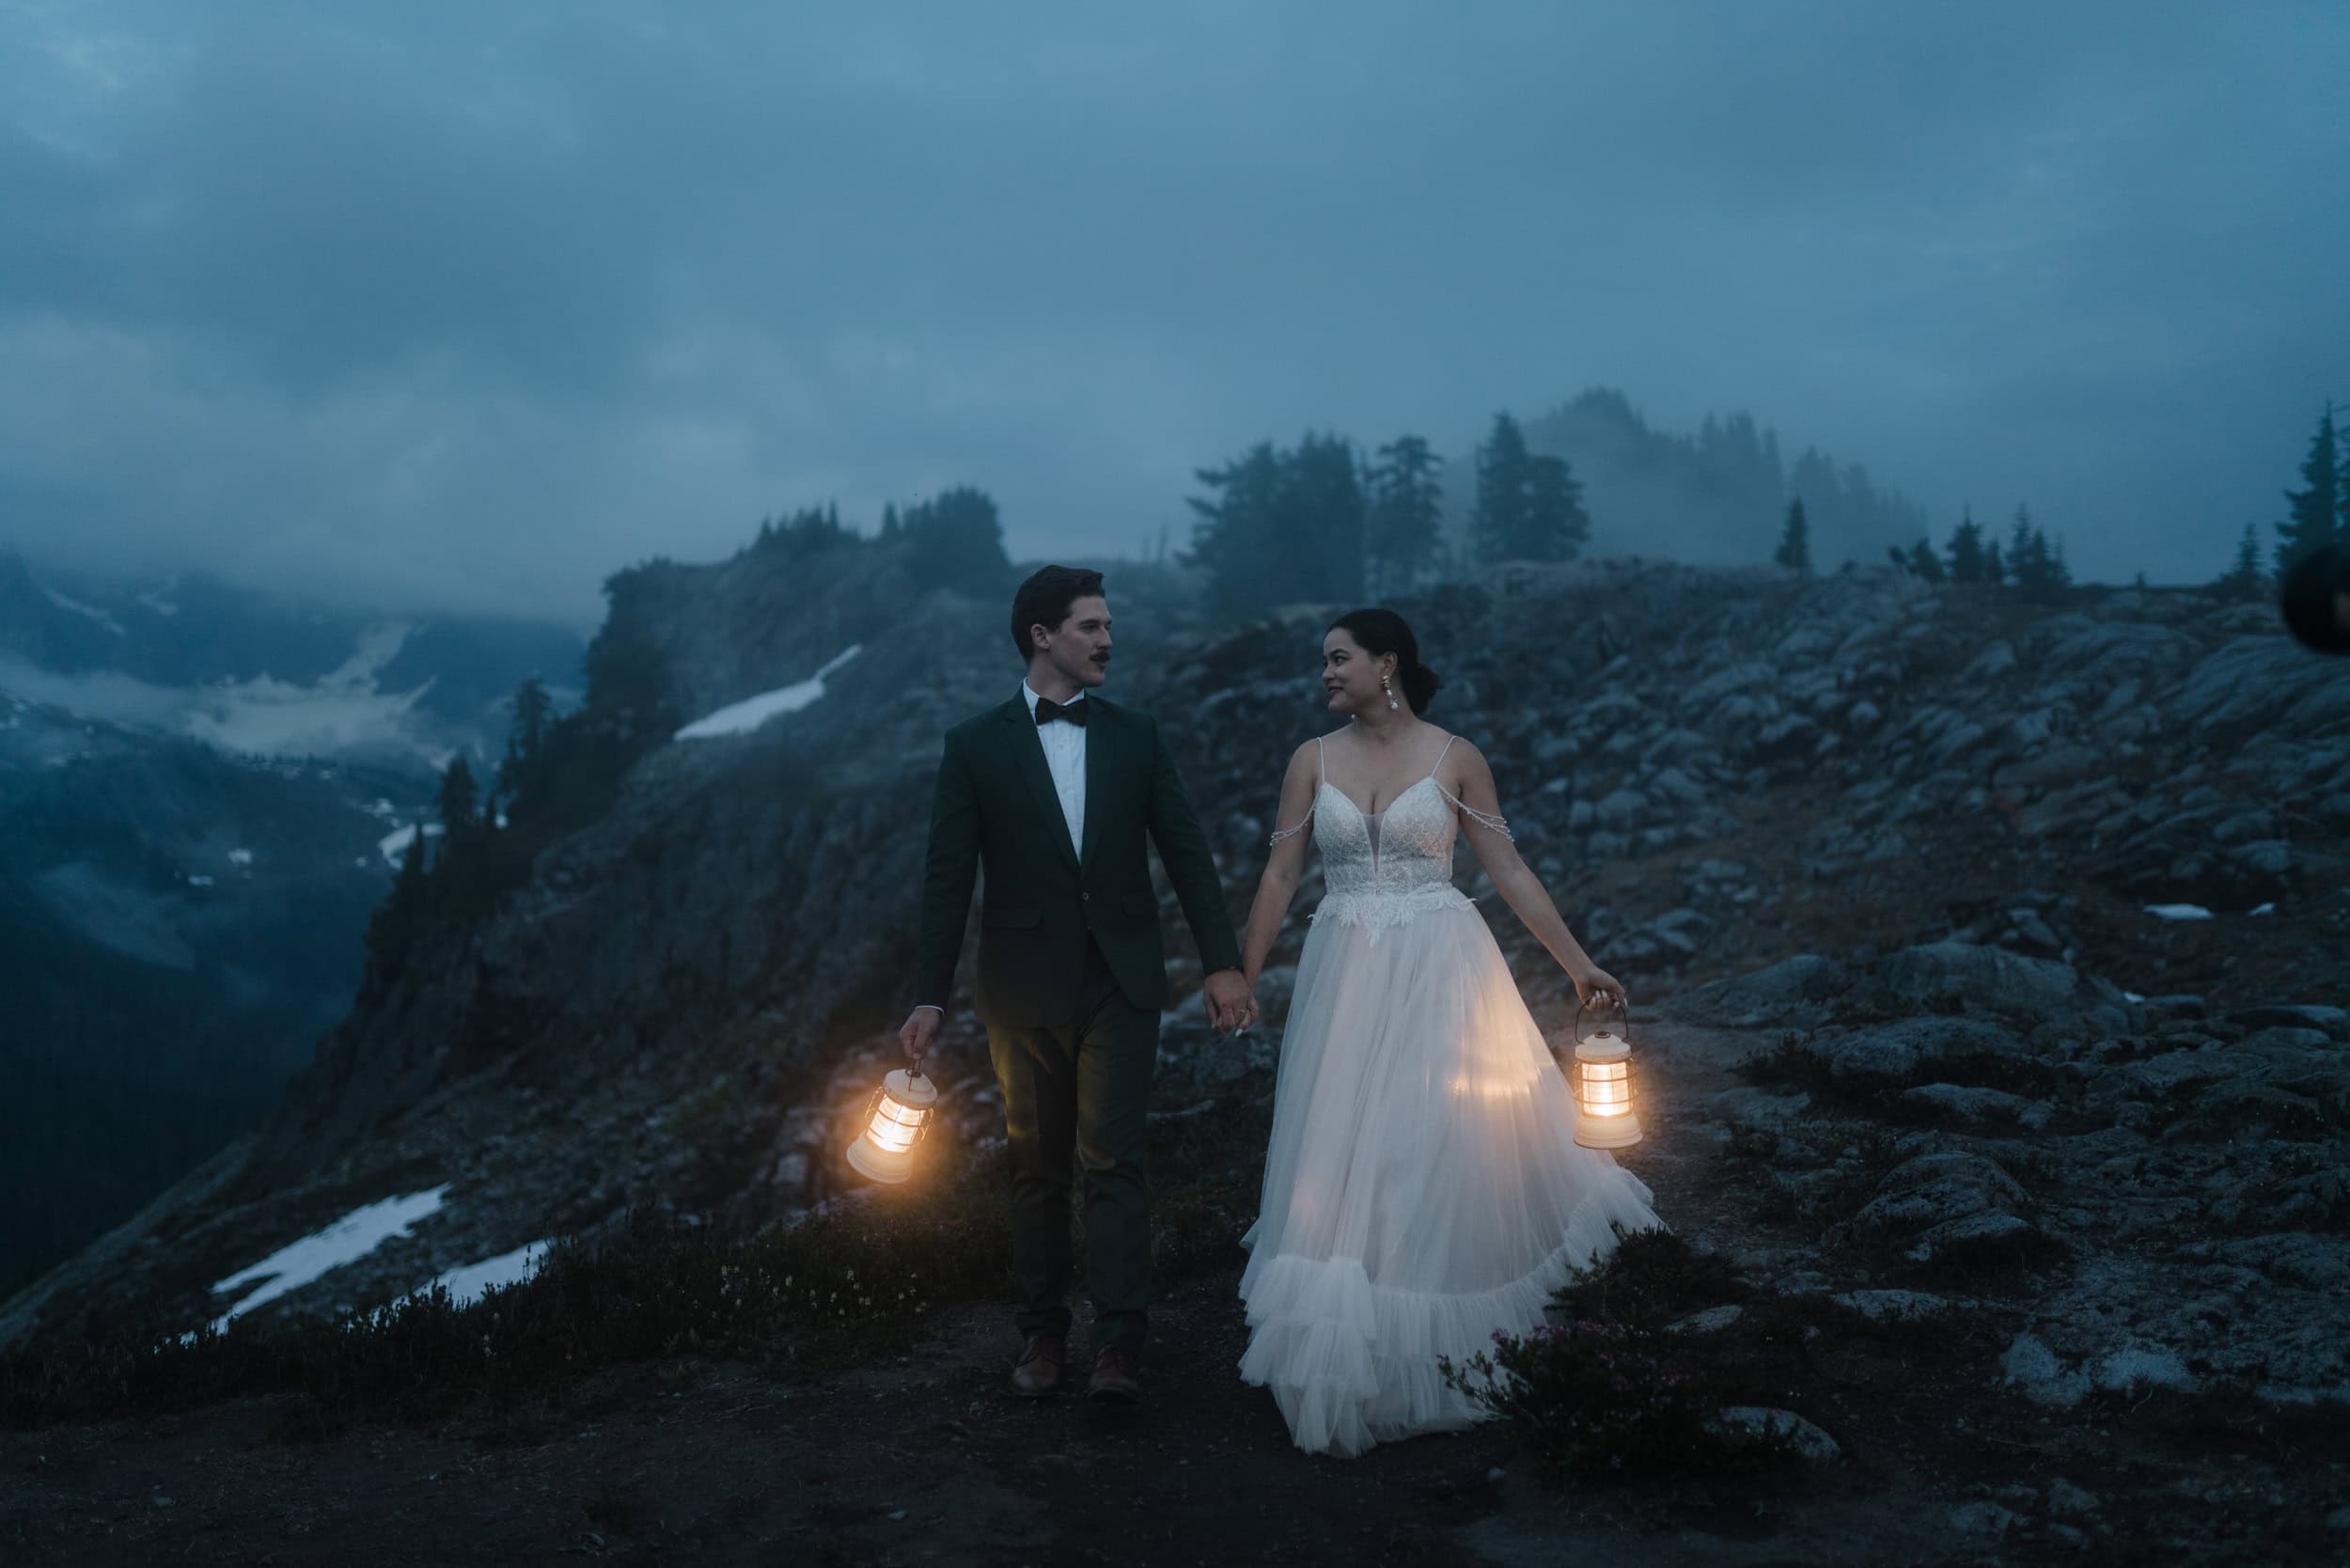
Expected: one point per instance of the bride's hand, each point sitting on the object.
(1598, 988)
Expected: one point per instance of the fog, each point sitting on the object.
(462, 307)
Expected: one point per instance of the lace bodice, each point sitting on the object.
(1382, 868)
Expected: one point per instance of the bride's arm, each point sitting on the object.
(1515, 881)
(1278, 884)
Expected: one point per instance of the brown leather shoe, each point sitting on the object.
(1113, 1376)
(1038, 1371)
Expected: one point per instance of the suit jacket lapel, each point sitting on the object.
(1098, 761)
(1028, 756)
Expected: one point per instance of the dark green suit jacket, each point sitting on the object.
(996, 808)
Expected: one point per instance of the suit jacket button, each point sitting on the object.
(1088, 897)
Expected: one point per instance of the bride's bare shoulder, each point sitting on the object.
(1462, 758)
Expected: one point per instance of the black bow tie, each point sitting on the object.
(1047, 711)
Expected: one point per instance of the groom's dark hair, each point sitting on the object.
(1045, 598)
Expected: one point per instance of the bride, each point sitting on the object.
(1422, 1187)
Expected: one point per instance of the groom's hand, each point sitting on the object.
(921, 1027)
(1230, 1002)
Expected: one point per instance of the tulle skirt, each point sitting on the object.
(1422, 1188)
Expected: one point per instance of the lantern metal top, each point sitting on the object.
(909, 1087)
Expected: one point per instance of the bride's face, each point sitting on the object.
(1350, 674)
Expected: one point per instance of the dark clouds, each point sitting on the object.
(467, 305)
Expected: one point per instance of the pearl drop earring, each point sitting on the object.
(1389, 689)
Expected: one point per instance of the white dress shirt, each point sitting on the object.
(1065, 755)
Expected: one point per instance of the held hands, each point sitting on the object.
(1231, 1001)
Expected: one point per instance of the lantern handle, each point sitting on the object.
(1623, 1008)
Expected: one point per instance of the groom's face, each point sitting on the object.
(1079, 647)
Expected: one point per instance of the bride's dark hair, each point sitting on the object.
(1380, 631)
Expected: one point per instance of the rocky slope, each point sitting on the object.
(1789, 786)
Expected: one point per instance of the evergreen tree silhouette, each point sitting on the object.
(459, 804)
(2318, 509)
(393, 926)
(1233, 527)
(1556, 527)
(1967, 562)
(1498, 522)
(1794, 541)
(1403, 518)
(2244, 578)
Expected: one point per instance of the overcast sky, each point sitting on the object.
(466, 304)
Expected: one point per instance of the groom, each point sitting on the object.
(1053, 793)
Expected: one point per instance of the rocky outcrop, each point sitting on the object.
(1900, 838)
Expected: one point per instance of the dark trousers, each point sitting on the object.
(1082, 1088)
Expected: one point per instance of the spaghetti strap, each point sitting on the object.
(1499, 824)
(1306, 821)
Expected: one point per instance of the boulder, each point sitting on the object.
(1789, 989)
(1986, 979)
(1811, 1441)
(1936, 1189)
(1899, 1049)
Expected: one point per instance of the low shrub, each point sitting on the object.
(1612, 1401)
(836, 1288)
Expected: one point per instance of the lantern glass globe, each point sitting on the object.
(893, 1123)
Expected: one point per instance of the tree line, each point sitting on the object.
(1326, 520)
(2317, 515)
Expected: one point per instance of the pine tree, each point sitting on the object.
(458, 801)
(521, 773)
(1794, 541)
(2019, 547)
(2244, 578)
(1232, 528)
(1924, 562)
(1403, 524)
(1556, 527)
(1499, 522)
(2321, 507)
(393, 926)
(1967, 562)
(1994, 566)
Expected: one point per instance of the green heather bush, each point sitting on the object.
(1609, 1402)
(1652, 1278)
(1601, 1393)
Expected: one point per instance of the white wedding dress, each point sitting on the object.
(1422, 1187)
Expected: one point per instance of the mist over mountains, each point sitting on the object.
(1714, 498)
(197, 785)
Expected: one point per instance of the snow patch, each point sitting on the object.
(109, 622)
(393, 845)
(350, 1238)
(740, 718)
(467, 1284)
(2178, 911)
(2262, 909)
(241, 857)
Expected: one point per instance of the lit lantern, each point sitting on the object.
(895, 1121)
(1603, 1114)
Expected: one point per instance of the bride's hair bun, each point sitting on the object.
(1380, 631)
